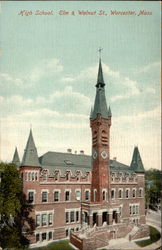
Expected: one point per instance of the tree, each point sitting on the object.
(153, 187)
(14, 209)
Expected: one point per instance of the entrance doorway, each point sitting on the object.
(104, 217)
(94, 219)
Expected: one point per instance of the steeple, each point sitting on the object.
(16, 159)
(136, 163)
(100, 79)
(100, 105)
(30, 157)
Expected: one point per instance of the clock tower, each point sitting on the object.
(100, 122)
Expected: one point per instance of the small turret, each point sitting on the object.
(136, 164)
(16, 159)
(30, 157)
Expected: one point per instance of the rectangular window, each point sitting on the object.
(37, 237)
(44, 219)
(134, 209)
(130, 209)
(67, 232)
(56, 196)
(38, 220)
(44, 236)
(50, 236)
(50, 219)
(67, 195)
(137, 209)
(77, 216)
(67, 217)
(31, 197)
(44, 196)
(72, 216)
(77, 195)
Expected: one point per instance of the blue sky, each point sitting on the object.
(49, 68)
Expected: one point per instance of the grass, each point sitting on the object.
(154, 236)
(60, 245)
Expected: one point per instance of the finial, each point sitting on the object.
(30, 126)
(99, 50)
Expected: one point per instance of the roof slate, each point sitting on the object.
(30, 157)
(136, 163)
(16, 159)
(57, 161)
(100, 105)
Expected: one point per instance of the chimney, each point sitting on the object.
(69, 150)
(82, 152)
(115, 158)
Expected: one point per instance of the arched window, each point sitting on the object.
(104, 195)
(140, 192)
(87, 195)
(67, 176)
(29, 176)
(127, 194)
(26, 176)
(112, 194)
(36, 176)
(78, 194)
(95, 194)
(120, 193)
(32, 176)
(56, 176)
(134, 193)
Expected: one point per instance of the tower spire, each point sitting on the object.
(16, 159)
(30, 157)
(100, 105)
(100, 79)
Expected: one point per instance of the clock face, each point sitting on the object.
(94, 155)
(104, 154)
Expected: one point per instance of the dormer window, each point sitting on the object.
(67, 176)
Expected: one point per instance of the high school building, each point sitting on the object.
(90, 199)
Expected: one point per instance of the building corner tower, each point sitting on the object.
(100, 122)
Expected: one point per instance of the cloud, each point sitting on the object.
(151, 90)
(8, 79)
(65, 101)
(149, 67)
(153, 114)
(46, 67)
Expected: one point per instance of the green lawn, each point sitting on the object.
(154, 236)
(60, 245)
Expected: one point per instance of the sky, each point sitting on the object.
(48, 72)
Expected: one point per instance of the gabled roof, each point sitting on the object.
(30, 157)
(136, 163)
(75, 162)
(16, 159)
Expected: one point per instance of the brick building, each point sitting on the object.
(84, 197)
